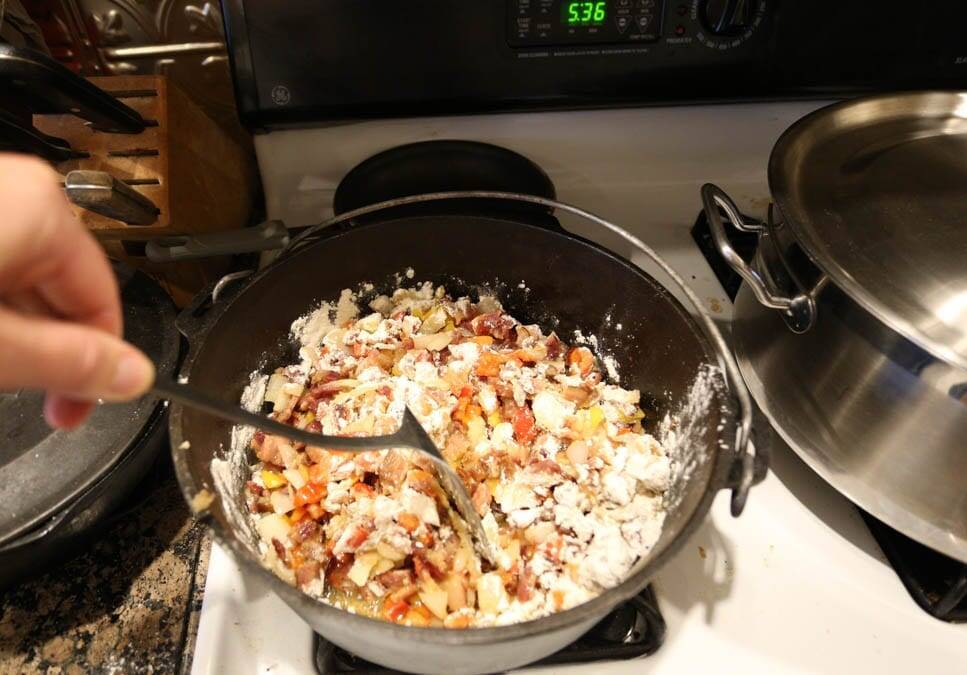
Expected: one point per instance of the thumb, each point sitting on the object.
(71, 359)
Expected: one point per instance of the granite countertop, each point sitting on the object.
(128, 604)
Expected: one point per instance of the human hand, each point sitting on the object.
(60, 313)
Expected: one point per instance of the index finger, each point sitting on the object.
(44, 248)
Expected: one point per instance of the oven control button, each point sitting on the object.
(728, 18)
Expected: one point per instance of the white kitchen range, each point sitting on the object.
(824, 245)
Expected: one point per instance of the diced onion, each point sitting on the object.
(434, 342)
(281, 500)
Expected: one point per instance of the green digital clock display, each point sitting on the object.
(584, 12)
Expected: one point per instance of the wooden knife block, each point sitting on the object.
(202, 177)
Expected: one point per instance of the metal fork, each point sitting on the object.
(410, 435)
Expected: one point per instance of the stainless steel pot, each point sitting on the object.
(661, 348)
(850, 328)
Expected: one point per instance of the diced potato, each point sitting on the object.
(538, 533)
(362, 566)
(383, 565)
(456, 588)
(295, 477)
(273, 526)
(434, 597)
(422, 506)
(490, 527)
(281, 401)
(491, 596)
(274, 387)
(461, 559)
(293, 389)
(476, 430)
(488, 303)
(388, 552)
(369, 323)
(434, 321)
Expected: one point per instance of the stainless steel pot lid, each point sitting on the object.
(42, 470)
(875, 191)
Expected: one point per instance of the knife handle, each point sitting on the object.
(102, 193)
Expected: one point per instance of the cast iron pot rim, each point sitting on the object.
(597, 606)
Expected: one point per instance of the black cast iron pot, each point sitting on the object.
(568, 283)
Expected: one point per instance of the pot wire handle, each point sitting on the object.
(800, 309)
(751, 463)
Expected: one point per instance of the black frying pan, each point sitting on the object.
(541, 274)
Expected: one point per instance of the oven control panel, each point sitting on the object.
(299, 62)
(534, 23)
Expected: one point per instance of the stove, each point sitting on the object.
(633, 630)
(798, 583)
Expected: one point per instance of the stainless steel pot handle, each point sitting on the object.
(800, 309)
(751, 464)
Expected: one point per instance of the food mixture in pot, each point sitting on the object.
(569, 487)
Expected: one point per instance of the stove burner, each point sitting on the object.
(937, 583)
(634, 629)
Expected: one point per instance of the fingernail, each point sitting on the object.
(133, 375)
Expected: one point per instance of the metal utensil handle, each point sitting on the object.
(265, 237)
(799, 309)
(743, 435)
(200, 400)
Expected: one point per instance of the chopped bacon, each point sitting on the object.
(392, 470)
(279, 549)
(424, 567)
(363, 490)
(313, 549)
(496, 324)
(526, 583)
(368, 461)
(304, 530)
(554, 346)
(338, 570)
(359, 536)
(269, 451)
(319, 472)
(307, 572)
(546, 466)
(481, 499)
(457, 444)
(255, 488)
(576, 395)
(422, 481)
(395, 579)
